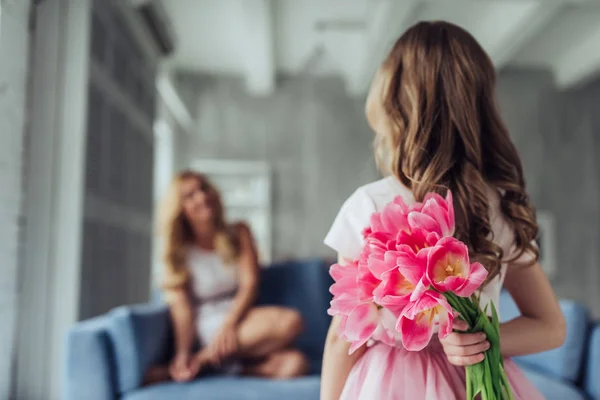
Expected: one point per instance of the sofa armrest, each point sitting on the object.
(140, 336)
(89, 364)
(592, 373)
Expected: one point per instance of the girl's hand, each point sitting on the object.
(464, 348)
(180, 368)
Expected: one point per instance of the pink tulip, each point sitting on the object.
(449, 268)
(352, 302)
(396, 287)
(361, 324)
(414, 267)
(386, 330)
(374, 254)
(416, 240)
(418, 320)
(392, 219)
(345, 277)
(367, 282)
(437, 215)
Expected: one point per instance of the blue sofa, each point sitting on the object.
(572, 371)
(106, 356)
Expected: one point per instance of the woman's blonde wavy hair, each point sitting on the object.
(177, 233)
(444, 132)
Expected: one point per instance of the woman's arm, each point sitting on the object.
(541, 325)
(180, 308)
(225, 343)
(248, 277)
(337, 363)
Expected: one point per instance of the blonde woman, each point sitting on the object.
(211, 281)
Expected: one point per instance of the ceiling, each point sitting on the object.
(259, 38)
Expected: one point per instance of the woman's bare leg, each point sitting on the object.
(266, 330)
(284, 364)
(265, 334)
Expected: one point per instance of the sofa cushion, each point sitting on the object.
(228, 388)
(304, 286)
(564, 362)
(553, 389)
(592, 375)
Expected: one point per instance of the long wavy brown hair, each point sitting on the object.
(177, 233)
(444, 132)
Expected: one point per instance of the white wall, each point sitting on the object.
(14, 43)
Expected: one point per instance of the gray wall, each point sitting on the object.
(318, 142)
(314, 136)
(14, 47)
(558, 136)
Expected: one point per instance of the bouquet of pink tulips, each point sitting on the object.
(413, 269)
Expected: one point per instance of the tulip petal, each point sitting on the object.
(366, 282)
(421, 287)
(405, 257)
(445, 319)
(432, 239)
(417, 321)
(434, 196)
(343, 304)
(433, 209)
(383, 334)
(346, 285)
(445, 325)
(451, 221)
(394, 218)
(376, 224)
(379, 266)
(419, 220)
(394, 291)
(360, 325)
(414, 268)
(338, 271)
(476, 278)
(399, 200)
(416, 334)
(362, 321)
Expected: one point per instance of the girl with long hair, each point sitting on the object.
(211, 280)
(437, 128)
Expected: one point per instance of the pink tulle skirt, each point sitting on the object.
(393, 373)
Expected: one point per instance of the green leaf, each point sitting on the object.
(489, 382)
(495, 319)
(476, 374)
(480, 322)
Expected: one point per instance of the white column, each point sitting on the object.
(14, 49)
(163, 172)
(50, 283)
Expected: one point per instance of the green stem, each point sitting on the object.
(469, 383)
(506, 383)
(460, 307)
